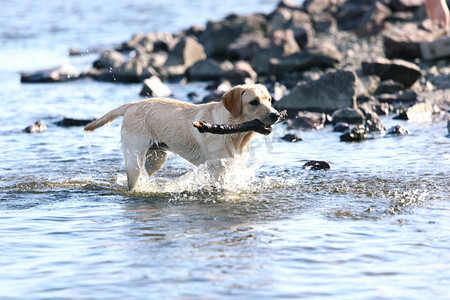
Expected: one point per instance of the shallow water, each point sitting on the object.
(375, 226)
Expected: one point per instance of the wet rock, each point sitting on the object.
(291, 137)
(407, 96)
(356, 134)
(213, 96)
(244, 47)
(333, 90)
(367, 85)
(59, 74)
(241, 71)
(309, 120)
(448, 124)
(109, 59)
(419, 112)
(131, 71)
(208, 69)
(373, 123)
(219, 34)
(371, 104)
(154, 87)
(38, 126)
(316, 165)
(341, 127)
(152, 41)
(69, 122)
(398, 70)
(388, 87)
(324, 56)
(404, 42)
(185, 53)
(373, 20)
(398, 130)
(348, 115)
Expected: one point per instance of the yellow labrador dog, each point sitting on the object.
(152, 127)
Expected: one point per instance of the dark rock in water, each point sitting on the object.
(69, 122)
(369, 103)
(419, 112)
(291, 137)
(59, 74)
(389, 87)
(186, 52)
(398, 130)
(131, 71)
(38, 126)
(373, 123)
(309, 120)
(408, 96)
(316, 165)
(398, 70)
(348, 115)
(356, 134)
(333, 90)
(154, 87)
(341, 127)
(109, 59)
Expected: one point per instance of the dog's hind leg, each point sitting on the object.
(134, 157)
(155, 160)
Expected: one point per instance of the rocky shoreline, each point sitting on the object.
(325, 61)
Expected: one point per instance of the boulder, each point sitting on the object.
(404, 42)
(341, 127)
(208, 69)
(219, 34)
(398, 70)
(283, 43)
(244, 47)
(404, 5)
(154, 87)
(291, 137)
(373, 123)
(356, 134)
(316, 165)
(398, 130)
(366, 85)
(348, 115)
(38, 126)
(316, 6)
(418, 112)
(109, 59)
(131, 71)
(185, 53)
(333, 90)
(69, 122)
(350, 14)
(280, 18)
(241, 71)
(371, 104)
(58, 74)
(151, 41)
(324, 22)
(407, 96)
(373, 20)
(388, 87)
(309, 120)
(324, 56)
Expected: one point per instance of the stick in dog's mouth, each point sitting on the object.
(254, 125)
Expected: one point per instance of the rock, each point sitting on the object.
(185, 53)
(407, 96)
(356, 134)
(316, 6)
(241, 71)
(309, 120)
(131, 71)
(58, 74)
(324, 56)
(373, 123)
(152, 41)
(316, 165)
(244, 47)
(333, 90)
(350, 14)
(419, 112)
(398, 70)
(214, 96)
(38, 126)
(219, 34)
(208, 69)
(371, 104)
(290, 137)
(404, 5)
(448, 124)
(348, 115)
(404, 42)
(283, 43)
(388, 87)
(373, 20)
(398, 130)
(69, 122)
(366, 85)
(324, 22)
(303, 34)
(109, 59)
(280, 18)
(154, 87)
(341, 127)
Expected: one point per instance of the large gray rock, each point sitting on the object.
(333, 90)
(398, 70)
(109, 59)
(186, 52)
(58, 74)
(373, 21)
(130, 71)
(348, 115)
(208, 69)
(154, 87)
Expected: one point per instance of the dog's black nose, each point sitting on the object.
(274, 116)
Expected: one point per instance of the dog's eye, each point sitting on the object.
(254, 102)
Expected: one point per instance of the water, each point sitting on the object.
(375, 226)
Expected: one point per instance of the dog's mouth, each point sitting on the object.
(262, 128)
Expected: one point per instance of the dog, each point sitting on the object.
(153, 127)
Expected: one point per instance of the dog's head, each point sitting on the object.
(251, 101)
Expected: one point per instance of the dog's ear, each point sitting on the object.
(232, 100)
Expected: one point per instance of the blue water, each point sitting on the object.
(375, 226)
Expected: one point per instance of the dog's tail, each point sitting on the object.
(108, 118)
